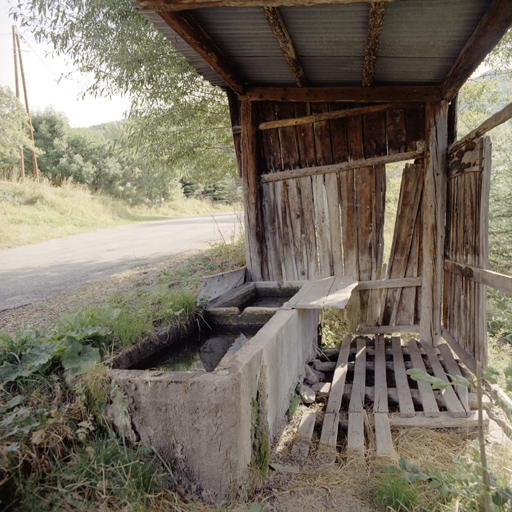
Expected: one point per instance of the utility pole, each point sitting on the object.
(31, 132)
(22, 159)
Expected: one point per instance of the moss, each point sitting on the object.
(260, 446)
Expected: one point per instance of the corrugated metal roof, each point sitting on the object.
(419, 42)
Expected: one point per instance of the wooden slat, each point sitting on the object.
(312, 294)
(428, 399)
(333, 114)
(433, 222)
(396, 134)
(181, 5)
(495, 120)
(389, 329)
(271, 231)
(375, 18)
(453, 369)
(355, 435)
(344, 166)
(185, 25)
(402, 384)
(444, 420)
(495, 280)
(404, 282)
(302, 442)
(333, 208)
(461, 352)
(340, 376)
(381, 388)
(340, 293)
(329, 436)
(285, 43)
(397, 94)
(383, 439)
(321, 211)
(487, 34)
(452, 401)
(358, 387)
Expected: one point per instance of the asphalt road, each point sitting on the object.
(40, 271)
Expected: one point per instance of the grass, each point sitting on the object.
(33, 212)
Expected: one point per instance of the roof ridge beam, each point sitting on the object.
(377, 11)
(492, 27)
(187, 27)
(183, 5)
(285, 42)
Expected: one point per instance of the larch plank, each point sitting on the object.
(302, 442)
(312, 295)
(355, 435)
(444, 420)
(340, 376)
(334, 222)
(402, 384)
(383, 439)
(340, 292)
(381, 388)
(322, 227)
(453, 369)
(428, 399)
(329, 436)
(395, 131)
(358, 387)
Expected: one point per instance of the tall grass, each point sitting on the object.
(33, 212)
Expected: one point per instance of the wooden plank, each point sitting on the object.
(389, 329)
(270, 139)
(403, 282)
(186, 26)
(428, 400)
(415, 126)
(355, 435)
(322, 227)
(329, 435)
(358, 387)
(302, 441)
(444, 420)
(340, 292)
(285, 43)
(306, 189)
(312, 294)
(394, 93)
(383, 439)
(333, 114)
(333, 209)
(433, 222)
(214, 286)
(254, 236)
(236, 128)
(453, 369)
(461, 352)
(272, 237)
(381, 388)
(495, 280)
(495, 120)
(396, 134)
(487, 34)
(344, 166)
(452, 401)
(402, 384)
(340, 376)
(377, 10)
(285, 243)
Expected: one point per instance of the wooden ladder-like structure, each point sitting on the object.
(369, 380)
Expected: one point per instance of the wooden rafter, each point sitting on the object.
(397, 94)
(489, 31)
(185, 25)
(286, 44)
(182, 5)
(377, 11)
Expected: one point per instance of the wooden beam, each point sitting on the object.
(495, 280)
(397, 94)
(489, 31)
(388, 329)
(286, 44)
(336, 114)
(182, 5)
(344, 166)
(185, 25)
(434, 201)
(492, 122)
(389, 283)
(377, 11)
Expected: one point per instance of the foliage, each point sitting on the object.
(178, 121)
(13, 131)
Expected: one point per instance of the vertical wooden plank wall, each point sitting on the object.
(464, 300)
(328, 224)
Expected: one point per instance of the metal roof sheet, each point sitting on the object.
(419, 41)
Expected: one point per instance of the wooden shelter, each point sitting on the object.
(323, 94)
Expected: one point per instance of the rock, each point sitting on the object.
(284, 468)
(322, 389)
(307, 394)
(319, 375)
(310, 376)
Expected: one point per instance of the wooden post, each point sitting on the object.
(435, 187)
(254, 234)
(31, 132)
(22, 160)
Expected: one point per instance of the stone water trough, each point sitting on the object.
(216, 416)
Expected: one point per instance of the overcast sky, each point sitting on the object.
(42, 73)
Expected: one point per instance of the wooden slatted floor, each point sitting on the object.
(368, 386)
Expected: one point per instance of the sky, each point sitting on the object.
(42, 73)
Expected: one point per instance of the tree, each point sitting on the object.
(13, 131)
(177, 119)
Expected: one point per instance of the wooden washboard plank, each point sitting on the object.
(355, 437)
(452, 401)
(428, 399)
(381, 388)
(402, 384)
(383, 439)
(340, 292)
(312, 294)
(453, 369)
(305, 433)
